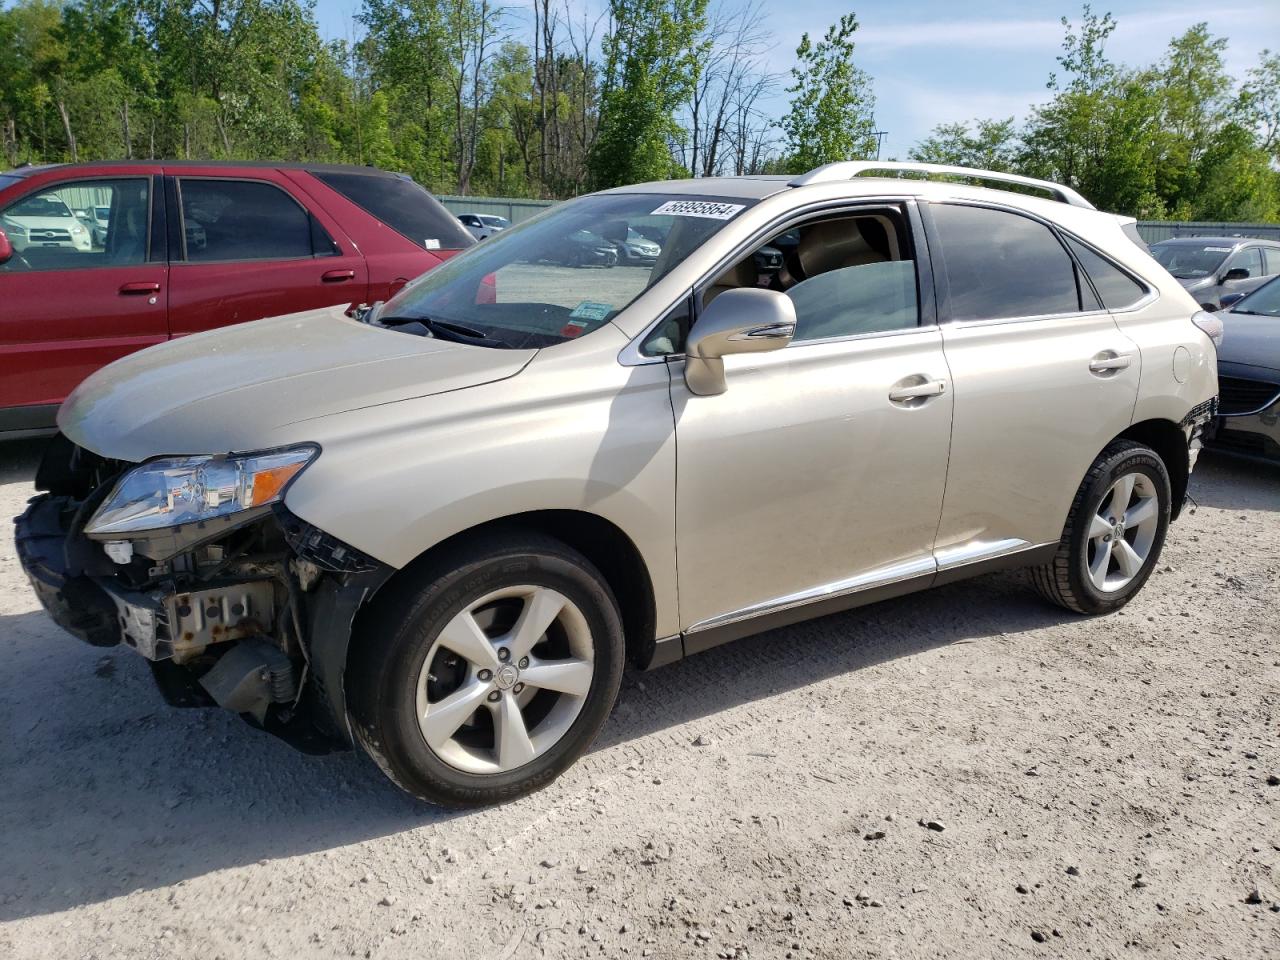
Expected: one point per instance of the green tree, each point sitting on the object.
(650, 65)
(831, 116)
(986, 144)
(1092, 134)
(1258, 104)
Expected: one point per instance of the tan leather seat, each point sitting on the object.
(741, 274)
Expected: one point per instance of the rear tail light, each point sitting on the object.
(1210, 324)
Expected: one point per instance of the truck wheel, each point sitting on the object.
(1114, 532)
(488, 671)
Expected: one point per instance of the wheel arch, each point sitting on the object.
(1169, 441)
(601, 541)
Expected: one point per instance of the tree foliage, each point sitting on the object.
(1179, 139)
(832, 105)
(466, 97)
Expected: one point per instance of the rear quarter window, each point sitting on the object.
(1115, 287)
(402, 205)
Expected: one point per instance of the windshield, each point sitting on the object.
(43, 205)
(559, 276)
(1187, 261)
(1265, 301)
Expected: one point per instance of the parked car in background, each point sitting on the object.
(441, 530)
(186, 247)
(86, 218)
(45, 222)
(101, 217)
(581, 248)
(483, 225)
(637, 249)
(1249, 376)
(1210, 268)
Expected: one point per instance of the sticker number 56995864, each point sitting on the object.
(698, 208)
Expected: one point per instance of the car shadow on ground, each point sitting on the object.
(108, 790)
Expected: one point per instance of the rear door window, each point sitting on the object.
(246, 220)
(1000, 265)
(402, 205)
(1116, 288)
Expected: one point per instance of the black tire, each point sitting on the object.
(1065, 580)
(394, 639)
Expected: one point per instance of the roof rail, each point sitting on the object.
(848, 169)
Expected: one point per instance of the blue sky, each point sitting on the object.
(935, 61)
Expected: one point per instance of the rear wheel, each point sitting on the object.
(1114, 532)
(485, 676)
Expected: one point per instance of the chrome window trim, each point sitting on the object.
(631, 356)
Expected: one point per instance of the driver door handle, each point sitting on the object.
(337, 276)
(918, 391)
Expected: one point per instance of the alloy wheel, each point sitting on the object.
(1122, 532)
(505, 679)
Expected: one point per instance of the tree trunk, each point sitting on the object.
(128, 134)
(66, 126)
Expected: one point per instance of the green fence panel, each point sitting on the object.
(1154, 231)
(514, 209)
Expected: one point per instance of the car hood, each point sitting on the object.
(254, 385)
(1250, 340)
(1191, 283)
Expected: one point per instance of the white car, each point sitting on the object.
(48, 222)
(483, 225)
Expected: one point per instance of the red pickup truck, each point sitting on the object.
(98, 260)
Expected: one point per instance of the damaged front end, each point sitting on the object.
(232, 599)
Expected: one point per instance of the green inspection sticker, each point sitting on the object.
(587, 310)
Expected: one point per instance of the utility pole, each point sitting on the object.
(879, 135)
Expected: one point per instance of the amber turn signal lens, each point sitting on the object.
(268, 483)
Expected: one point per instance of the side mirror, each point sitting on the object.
(744, 320)
(1230, 300)
(6, 247)
(1236, 273)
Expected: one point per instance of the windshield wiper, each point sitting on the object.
(1253, 313)
(443, 330)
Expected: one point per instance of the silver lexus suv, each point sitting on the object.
(439, 527)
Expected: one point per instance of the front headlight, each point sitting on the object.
(176, 490)
(77, 229)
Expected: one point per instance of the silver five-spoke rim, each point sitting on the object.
(1122, 532)
(505, 679)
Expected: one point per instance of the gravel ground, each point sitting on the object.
(967, 773)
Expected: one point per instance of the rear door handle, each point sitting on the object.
(139, 287)
(1108, 361)
(337, 276)
(918, 391)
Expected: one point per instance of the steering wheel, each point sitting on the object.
(16, 263)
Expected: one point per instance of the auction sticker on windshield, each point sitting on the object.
(587, 310)
(699, 208)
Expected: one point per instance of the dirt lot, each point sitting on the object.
(1098, 788)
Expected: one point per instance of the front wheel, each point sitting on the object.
(486, 674)
(1114, 532)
